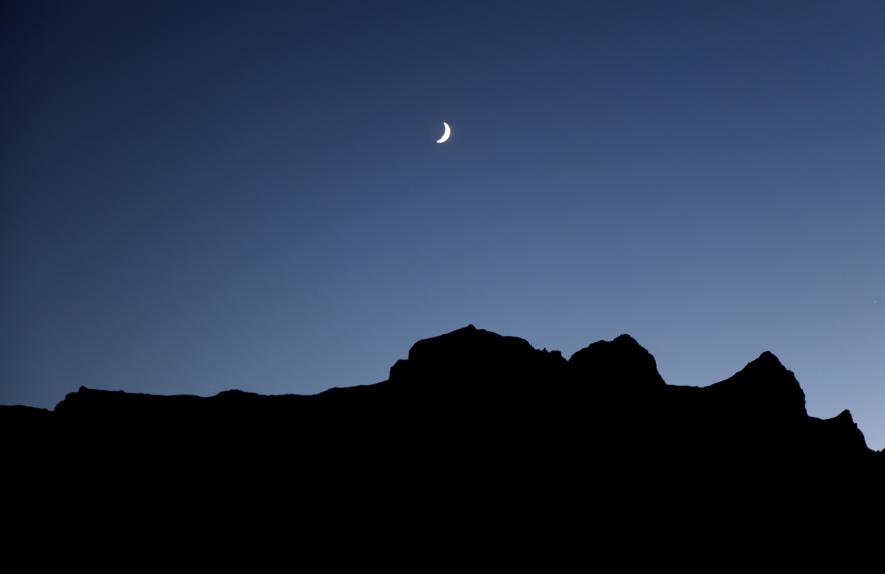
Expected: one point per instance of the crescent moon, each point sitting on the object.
(446, 134)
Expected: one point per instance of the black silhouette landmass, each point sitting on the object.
(471, 419)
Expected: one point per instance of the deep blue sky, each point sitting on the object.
(200, 196)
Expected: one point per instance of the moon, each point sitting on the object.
(446, 134)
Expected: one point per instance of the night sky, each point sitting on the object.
(203, 196)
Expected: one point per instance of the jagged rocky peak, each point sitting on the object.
(764, 385)
(469, 355)
(622, 361)
(469, 339)
(841, 433)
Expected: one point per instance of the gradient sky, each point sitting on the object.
(203, 196)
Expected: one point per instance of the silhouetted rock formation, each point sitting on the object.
(618, 364)
(472, 414)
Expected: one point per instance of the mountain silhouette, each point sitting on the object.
(470, 419)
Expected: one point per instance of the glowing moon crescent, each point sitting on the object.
(446, 134)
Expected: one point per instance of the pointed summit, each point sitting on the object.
(765, 387)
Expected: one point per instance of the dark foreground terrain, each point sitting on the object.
(473, 427)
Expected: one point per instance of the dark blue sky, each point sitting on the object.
(200, 196)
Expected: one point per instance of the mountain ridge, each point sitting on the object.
(473, 387)
(489, 362)
(472, 428)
